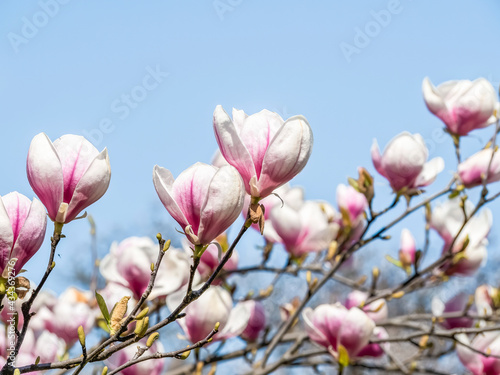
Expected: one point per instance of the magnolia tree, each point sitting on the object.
(150, 285)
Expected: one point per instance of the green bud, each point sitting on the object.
(167, 245)
(159, 237)
(152, 338)
(104, 370)
(81, 336)
(142, 314)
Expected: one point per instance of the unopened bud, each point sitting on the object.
(152, 338)
(152, 267)
(184, 355)
(104, 370)
(81, 336)
(398, 295)
(266, 292)
(308, 277)
(141, 327)
(159, 237)
(117, 315)
(166, 246)
(375, 272)
(37, 360)
(142, 314)
(17, 372)
(423, 341)
(217, 325)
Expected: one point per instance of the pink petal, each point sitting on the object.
(163, 181)
(232, 147)
(286, 155)
(76, 155)
(223, 204)
(6, 236)
(31, 235)
(45, 174)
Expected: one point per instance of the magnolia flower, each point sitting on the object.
(462, 105)
(331, 325)
(457, 304)
(486, 299)
(404, 162)
(486, 342)
(151, 367)
(475, 168)
(267, 151)
(67, 175)
(129, 264)
(282, 196)
(376, 311)
(256, 322)
(407, 249)
(352, 203)
(376, 350)
(71, 311)
(210, 259)
(304, 230)
(22, 230)
(204, 200)
(214, 306)
(447, 219)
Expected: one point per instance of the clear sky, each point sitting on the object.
(143, 79)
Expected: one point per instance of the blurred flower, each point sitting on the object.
(267, 151)
(304, 230)
(67, 175)
(351, 203)
(404, 163)
(472, 170)
(150, 367)
(287, 196)
(407, 249)
(376, 311)
(22, 230)
(462, 105)
(487, 342)
(214, 306)
(71, 311)
(129, 264)
(331, 325)
(256, 322)
(204, 200)
(447, 219)
(376, 350)
(457, 304)
(210, 259)
(486, 299)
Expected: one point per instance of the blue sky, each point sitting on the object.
(87, 64)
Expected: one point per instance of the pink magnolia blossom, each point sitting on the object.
(404, 162)
(150, 367)
(462, 105)
(282, 196)
(484, 299)
(353, 203)
(71, 311)
(256, 322)
(129, 264)
(457, 304)
(376, 311)
(67, 175)
(376, 350)
(447, 219)
(304, 230)
(267, 151)
(210, 260)
(214, 306)
(472, 170)
(22, 230)
(407, 249)
(204, 200)
(331, 325)
(487, 342)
